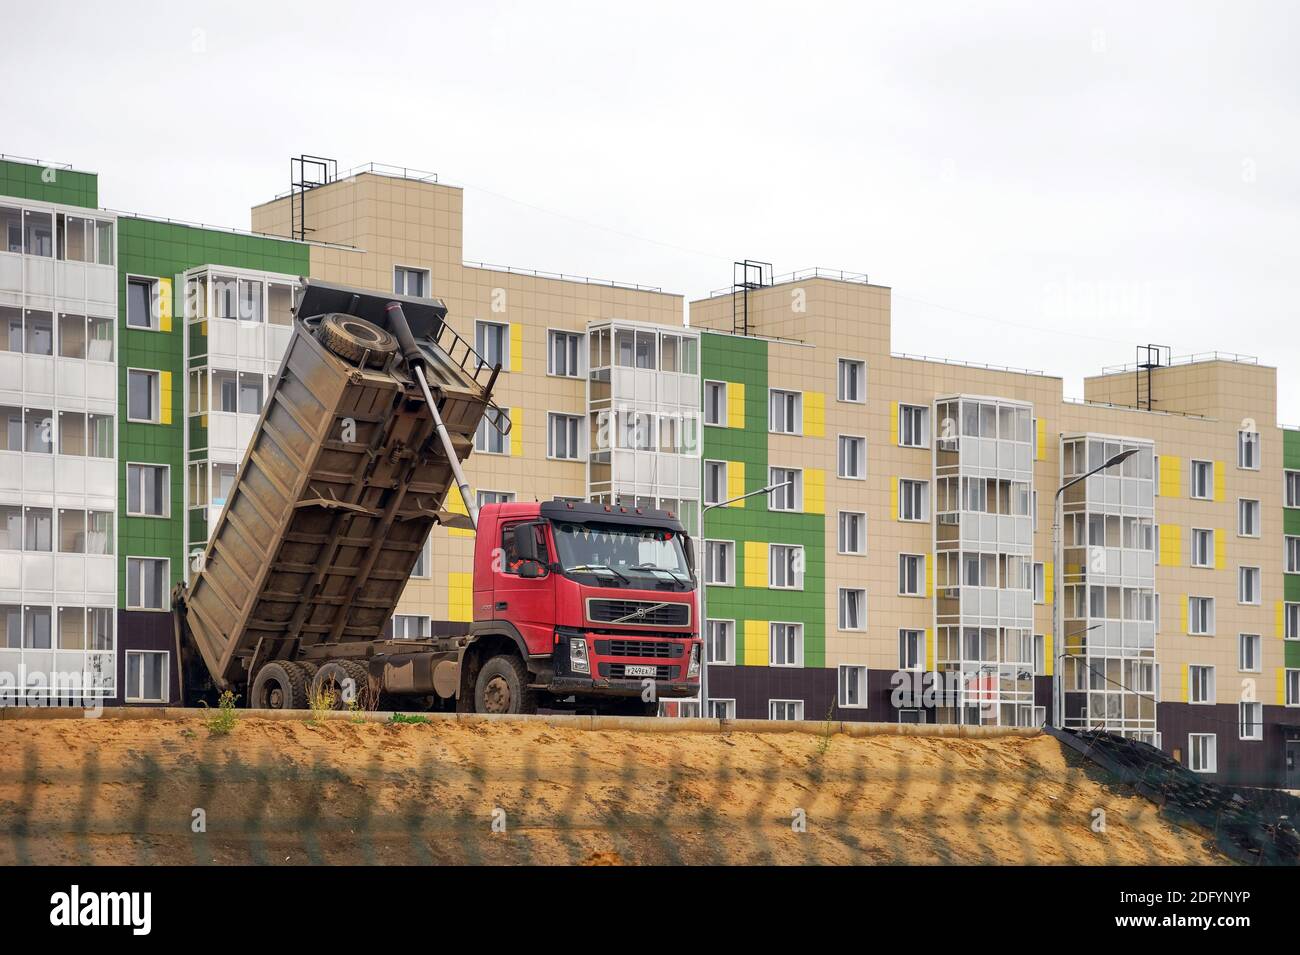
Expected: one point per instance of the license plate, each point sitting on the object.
(639, 669)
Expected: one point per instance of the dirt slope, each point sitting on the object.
(126, 791)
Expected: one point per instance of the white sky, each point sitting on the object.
(1043, 185)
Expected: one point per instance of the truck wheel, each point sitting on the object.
(351, 338)
(279, 685)
(502, 687)
(332, 678)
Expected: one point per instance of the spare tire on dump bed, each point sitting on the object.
(355, 339)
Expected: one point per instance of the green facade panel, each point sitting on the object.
(1291, 654)
(1290, 520)
(49, 184)
(1291, 449)
(742, 360)
(164, 250)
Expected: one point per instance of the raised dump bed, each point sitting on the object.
(340, 486)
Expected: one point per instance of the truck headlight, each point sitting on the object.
(578, 661)
(693, 668)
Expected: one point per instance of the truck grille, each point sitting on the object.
(669, 615)
(614, 671)
(637, 648)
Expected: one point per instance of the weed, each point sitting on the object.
(320, 703)
(222, 721)
(824, 744)
(407, 718)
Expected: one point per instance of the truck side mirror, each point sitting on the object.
(526, 542)
(530, 570)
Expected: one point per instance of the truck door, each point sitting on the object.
(524, 590)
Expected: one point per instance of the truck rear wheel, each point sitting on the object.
(354, 338)
(502, 687)
(279, 685)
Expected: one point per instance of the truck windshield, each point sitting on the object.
(623, 554)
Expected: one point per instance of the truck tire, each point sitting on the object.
(354, 339)
(502, 687)
(330, 678)
(279, 685)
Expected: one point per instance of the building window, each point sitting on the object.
(852, 459)
(484, 498)
(489, 438)
(423, 560)
(407, 281)
(1247, 518)
(852, 532)
(852, 382)
(1291, 621)
(913, 426)
(788, 497)
(722, 709)
(148, 490)
(411, 626)
(562, 436)
(853, 686)
(142, 396)
(492, 342)
(911, 575)
(1200, 616)
(1291, 554)
(1202, 547)
(141, 304)
(1248, 652)
(715, 482)
(1248, 450)
(1292, 681)
(913, 500)
(1201, 752)
(146, 583)
(1040, 655)
(853, 608)
(1251, 719)
(146, 676)
(785, 412)
(715, 403)
(785, 709)
(1200, 684)
(785, 567)
(1292, 487)
(720, 645)
(562, 354)
(1040, 583)
(1203, 480)
(1248, 585)
(911, 649)
(719, 563)
(786, 641)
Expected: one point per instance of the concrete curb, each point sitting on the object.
(637, 724)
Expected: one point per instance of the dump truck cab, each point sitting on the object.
(598, 600)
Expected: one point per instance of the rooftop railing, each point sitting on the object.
(1186, 360)
(984, 366)
(562, 276)
(816, 272)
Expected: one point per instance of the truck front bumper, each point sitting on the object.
(587, 686)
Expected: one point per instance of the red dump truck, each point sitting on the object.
(575, 605)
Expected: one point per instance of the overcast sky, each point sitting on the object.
(1043, 185)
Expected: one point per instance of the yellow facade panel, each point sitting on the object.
(1171, 475)
(814, 491)
(516, 432)
(735, 482)
(755, 564)
(1171, 544)
(755, 643)
(460, 596)
(735, 404)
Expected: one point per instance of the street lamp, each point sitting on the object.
(704, 588)
(1058, 576)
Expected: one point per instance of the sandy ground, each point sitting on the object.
(131, 791)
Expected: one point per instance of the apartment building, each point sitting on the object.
(901, 567)
(907, 573)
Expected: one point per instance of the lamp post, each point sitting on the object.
(1058, 703)
(704, 589)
